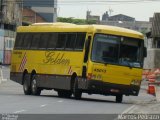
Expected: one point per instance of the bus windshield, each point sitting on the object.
(117, 50)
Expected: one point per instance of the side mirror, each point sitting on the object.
(145, 52)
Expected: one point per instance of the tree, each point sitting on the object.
(75, 21)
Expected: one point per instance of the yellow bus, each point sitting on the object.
(76, 59)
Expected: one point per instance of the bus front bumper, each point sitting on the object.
(100, 87)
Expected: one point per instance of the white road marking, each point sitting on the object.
(127, 110)
(19, 111)
(60, 101)
(43, 105)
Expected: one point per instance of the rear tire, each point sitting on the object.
(77, 93)
(34, 88)
(26, 86)
(119, 98)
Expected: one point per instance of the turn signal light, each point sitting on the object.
(89, 76)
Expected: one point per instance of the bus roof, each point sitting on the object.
(51, 24)
(68, 27)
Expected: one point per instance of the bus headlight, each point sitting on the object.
(136, 82)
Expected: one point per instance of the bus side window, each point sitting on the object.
(62, 37)
(27, 40)
(43, 41)
(35, 41)
(19, 41)
(52, 40)
(80, 41)
(70, 44)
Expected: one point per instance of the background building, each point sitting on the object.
(153, 44)
(10, 18)
(125, 21)
(92, 17)
(13, 12)
(47, 9)
(30, 16)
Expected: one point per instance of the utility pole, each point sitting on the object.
(1, 5)
(54, 10)
(1, 10)
(21, 8)
(110, 11)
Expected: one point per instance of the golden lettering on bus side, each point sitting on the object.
(52, 57)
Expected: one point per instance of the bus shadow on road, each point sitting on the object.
(97, 100)
(105, 99)
(83, 99)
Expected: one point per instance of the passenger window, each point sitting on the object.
(71, 38)
(61, 41)
(27, 40)
(35, 41)
(19, 41)
(52, 40)
(80, 41)
(44, 40)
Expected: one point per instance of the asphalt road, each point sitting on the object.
(13, 101)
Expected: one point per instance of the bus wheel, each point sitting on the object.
(77, 93)
(64, 94)
(26, 86)
(35, 90)
(119, 98)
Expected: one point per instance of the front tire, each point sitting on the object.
(34, 88)
(26, 86)
(64, 93)
(119, 98)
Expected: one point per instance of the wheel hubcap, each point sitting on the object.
(34, 85)
(25, 86)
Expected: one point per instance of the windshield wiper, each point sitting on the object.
(129, 65)
(125, 63)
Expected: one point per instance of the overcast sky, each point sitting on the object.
(139, 9)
